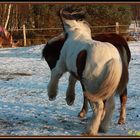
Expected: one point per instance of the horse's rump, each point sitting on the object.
(109, 84)
(120, 43)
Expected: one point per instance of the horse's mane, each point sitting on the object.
(72, 13)
(73, 21)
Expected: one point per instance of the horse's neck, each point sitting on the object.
(78, 30)
(80, 35)
(59, 37)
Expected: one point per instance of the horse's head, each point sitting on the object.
(74, 19)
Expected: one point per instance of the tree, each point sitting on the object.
(108, 14)
(136, 13)
(8, 15)
(13, 16)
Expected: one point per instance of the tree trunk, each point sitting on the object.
(4, 8)
(8, 15)
(16, 20)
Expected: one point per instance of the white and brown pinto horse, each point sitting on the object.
(98, 66)
(51, 53)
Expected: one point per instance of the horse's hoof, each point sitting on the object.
(70, 101)
(82, 114)
(88, 134)
(103, 130)
(121, 121)
(52, 98)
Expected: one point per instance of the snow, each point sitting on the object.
(26, 111)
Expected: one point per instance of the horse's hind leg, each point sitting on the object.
(84, 109)
(70, 96)
(98, 108)
(107, 115)
(123, 100)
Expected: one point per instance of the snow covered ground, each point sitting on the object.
(26, 111)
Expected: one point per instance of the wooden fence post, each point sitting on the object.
(135, 27)
(24, 34)
(117, 27)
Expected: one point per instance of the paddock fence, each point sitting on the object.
(36, 36)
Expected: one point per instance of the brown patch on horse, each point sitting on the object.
(81, 62)
(51, 52)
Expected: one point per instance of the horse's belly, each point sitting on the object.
(93, 77)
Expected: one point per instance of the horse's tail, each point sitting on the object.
(110, 83)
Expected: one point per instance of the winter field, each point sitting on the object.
(26, 111)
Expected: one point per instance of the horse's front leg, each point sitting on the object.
(56, 73)
(70, 94)
(123, 100)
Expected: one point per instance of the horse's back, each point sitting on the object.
(117, 40)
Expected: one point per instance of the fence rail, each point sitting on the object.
(48, 33)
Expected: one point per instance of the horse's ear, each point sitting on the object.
(72, 13)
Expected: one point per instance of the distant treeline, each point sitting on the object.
(46, 15)
(13, 16)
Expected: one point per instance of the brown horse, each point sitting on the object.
(6, 39)
(51, 53)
